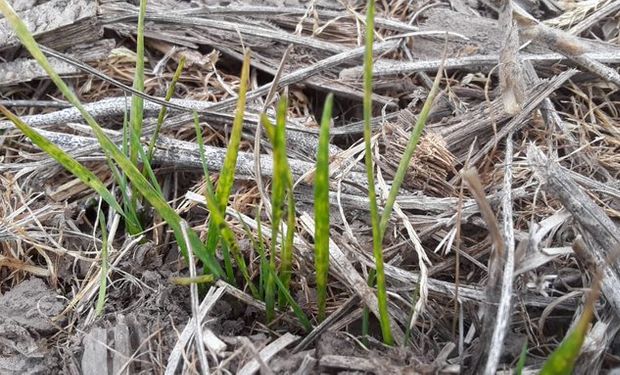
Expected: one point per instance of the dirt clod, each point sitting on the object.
(26, 313)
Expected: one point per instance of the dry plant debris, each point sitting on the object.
(530, 101)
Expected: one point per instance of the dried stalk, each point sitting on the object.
(604, 235)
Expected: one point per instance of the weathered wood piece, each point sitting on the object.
(600, 232)
(277, 12)
(471, 63)
(24, 69)
(267, 42)
(189, 331)
(511, 82)
(349, 363)
(533, 99)
(122, 349)
(57, 24)
(111, 351)
(328, 322)
(498, 312)
(95, 357)
(268, 352)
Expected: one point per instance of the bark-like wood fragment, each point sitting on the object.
(510, 70)
(26, 69)
(57, 23)
(95, 357)
(600, 232)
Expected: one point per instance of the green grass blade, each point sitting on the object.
(227, 175)
(125, 145)
(268, 126)
(132, 222)
(186, 281)
(562, 360)
(137, 103)
(321, 209)
(128, 204)
(104, 263)
(148, 171)
(405, 161)
(265, 270)
(289, 299)
(163, 110)
(217, 218)
(264, 263)
(138, 181)
(201, 150)
(228, 266)
(64, 159)
(377, 238)
(213, 233)
(366, 311)
(278, 191)
(277, 198)
(286, 258)
(285, 177)
(153, 196)
(522, 358)
(230, 241)
(287, 251)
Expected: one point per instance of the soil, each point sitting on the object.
(27, 328)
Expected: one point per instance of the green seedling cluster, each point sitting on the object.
(138, 187)
(281, 198)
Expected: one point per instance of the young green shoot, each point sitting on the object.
(229, 240)
(405, 161)
(287, 247)
(265, 271)
(201, 150)
(562, 360)
(284, 174)
(217, 216)
(522, 359)
(130, 205)
(264, 262)
(163, 110)
(278, 191)
(187, 281)
(227, 174)
(137, 103)
(221, 228)
(104, 262)
(321, 209)
(377, 238)
(303, 319)
(366, 311)
(282, 179)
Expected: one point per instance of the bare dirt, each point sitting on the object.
(27, 328)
